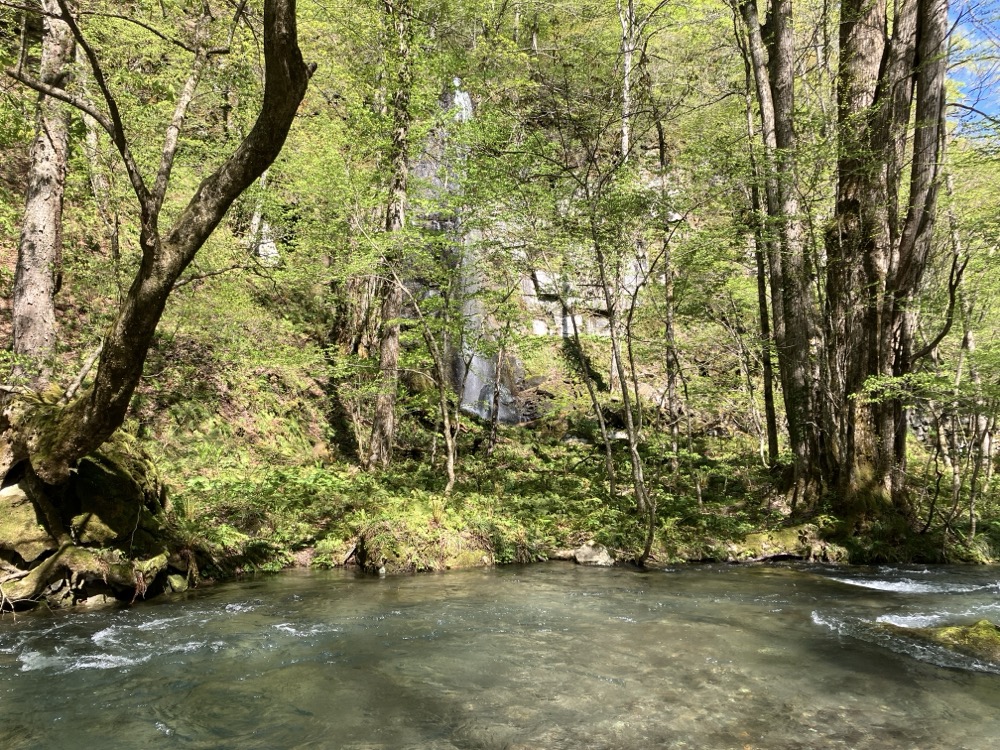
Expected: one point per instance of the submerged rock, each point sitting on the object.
(980, 640)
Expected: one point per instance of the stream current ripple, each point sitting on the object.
(553, 657)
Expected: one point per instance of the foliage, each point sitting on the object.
(258, 391)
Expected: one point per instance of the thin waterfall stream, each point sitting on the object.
(548, 656)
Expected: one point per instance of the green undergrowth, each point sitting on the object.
(539, 492)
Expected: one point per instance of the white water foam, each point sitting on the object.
(870, 632)
(909, 586)
(287, 627)
(32, 661)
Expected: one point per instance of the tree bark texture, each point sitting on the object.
(889, 87)
(399, 13)
(39, 257)
(877, 250)
(773, 66)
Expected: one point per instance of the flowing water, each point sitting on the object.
(550, 656)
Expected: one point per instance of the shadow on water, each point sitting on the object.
(550, 657)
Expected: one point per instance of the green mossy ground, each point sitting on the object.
(541, 491)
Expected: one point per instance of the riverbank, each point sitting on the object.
(540, 495)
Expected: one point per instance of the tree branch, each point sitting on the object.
(967, 108)
(954, 279)
(101, 14)
(210, 274)
(82, 375)
(171, 140)
(99, 409)
(117, 130)
(62, 95)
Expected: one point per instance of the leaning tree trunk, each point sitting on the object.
(43, 439)
(54, 438)
(39, 257)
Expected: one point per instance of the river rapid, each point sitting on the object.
(548, 657)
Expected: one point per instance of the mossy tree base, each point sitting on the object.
(99, 536)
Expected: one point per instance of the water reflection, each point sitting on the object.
(550, 657)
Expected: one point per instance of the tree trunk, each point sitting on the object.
(39, 257)
(767, 367)
(55, 436)
(793, 313)
(609, 457)
(877, 252)
(399, 13)
(761, 251)
(491, 441)
(644, 504)
(629, 40)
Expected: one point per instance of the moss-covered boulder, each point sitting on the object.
(384, 547)
(97, 537)
(23, 538)
(980, 640)
(115, 499)
(792, 543)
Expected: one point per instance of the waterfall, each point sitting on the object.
(476, 373)
(474, 370)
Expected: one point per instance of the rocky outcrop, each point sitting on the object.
(99, 537)
(792, 543)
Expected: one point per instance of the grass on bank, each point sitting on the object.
(536, 494)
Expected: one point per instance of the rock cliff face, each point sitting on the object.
(556, 304)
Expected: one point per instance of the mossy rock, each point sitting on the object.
(90, 529)
(384, 547)
(795, 542)
(980, 640)
(21, 531)
(463, 550)
(115, 500)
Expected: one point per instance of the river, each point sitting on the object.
(547, 657)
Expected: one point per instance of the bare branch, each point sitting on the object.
(127, 19)
(82, 375)
(117, 130)
(210, 274)
(172, 138)
(56, 93)
(954, 280)
(236, 20)
(151, 29)
(88, 109)
(990, 118)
